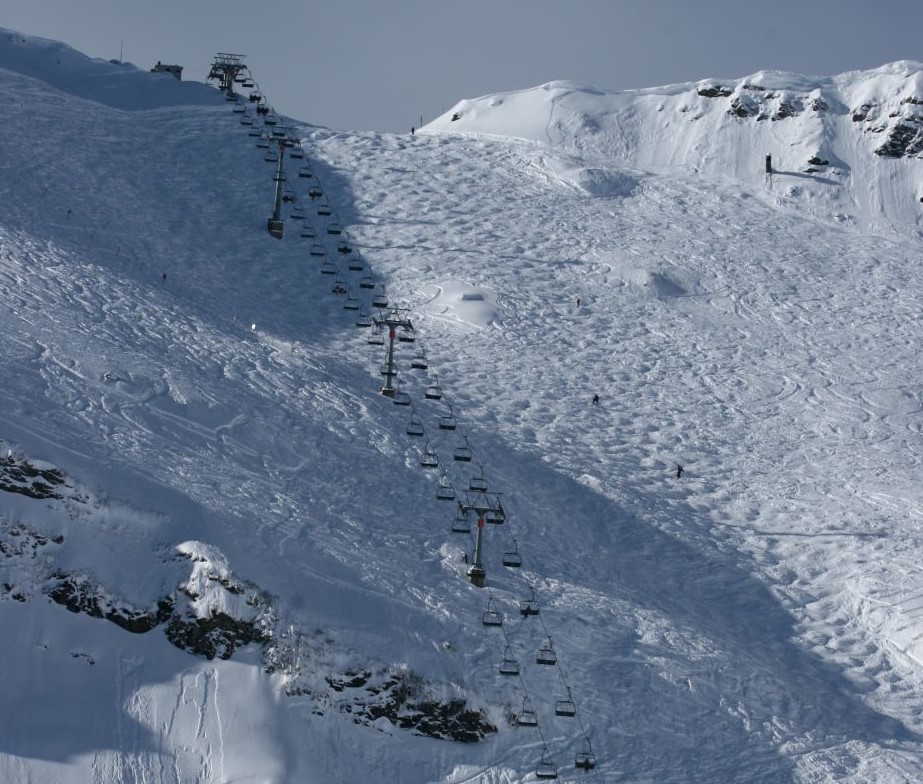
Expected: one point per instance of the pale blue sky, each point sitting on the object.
(382, 64)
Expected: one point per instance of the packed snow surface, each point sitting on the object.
(215, 412)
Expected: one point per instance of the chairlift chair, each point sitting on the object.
(401, 399)
(339, 286)
(262, 142)
(355, 264)
(429, 458)
(271, 156)
(527, 717)
(261, 110)
(344, 248)
(414, 426)
(585, 759)
(375, 339)
(379, 301)
(256, 98)
(246, 120)
(308, 231)
(565, 707)
(324, 210)
(239, 108)
(247, 84)
(278, 134)
(445, 491)
(240, 78)
(546, 654)
(328, 267)
(529, 606)
(317, 250)
(509, 665)
(462, 452)
(305, 171)
(297, 213)
(296, 152)
(419, 362)
(478, 484)
(433, 392)
(314, 193)
(512, 558)
(363, 319)
(496, 514)
(254, 132)
(407, 335)
(461, 524)
(387, 370)
(492, 616)
(269, 119)
(546, 769)
(334, 228)
(366, 282)
(351, 302)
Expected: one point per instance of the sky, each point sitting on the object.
(387, 66)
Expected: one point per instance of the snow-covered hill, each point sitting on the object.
(263, 584)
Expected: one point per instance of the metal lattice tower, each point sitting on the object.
(225, 68)
(393, 320)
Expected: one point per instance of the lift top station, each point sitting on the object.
(228, 69)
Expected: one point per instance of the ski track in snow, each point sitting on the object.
(758, 620)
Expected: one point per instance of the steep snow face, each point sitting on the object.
(832, 141)
(213, 409)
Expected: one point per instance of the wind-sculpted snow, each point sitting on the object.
(754, 620)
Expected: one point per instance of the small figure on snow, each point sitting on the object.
(595, 400)
(163, 279)
(412, 130)
(578, 302)
(679, 471)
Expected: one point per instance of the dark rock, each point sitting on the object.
(862, 112)
(219, 635)
(904, 141)
(715, 91)
(742, 107)
(818, 161)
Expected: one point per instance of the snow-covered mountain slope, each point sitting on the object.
(200, 465)
(839, 146)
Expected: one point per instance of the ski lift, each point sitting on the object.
(429, 458)
(317, 249)
(351, 302)
(445, 491)
(585, 759)
(296, 152)
(496, 514)
(256, 98)
(406, 335)
(462, 452)
(491, 616)
(355, 264)
(297, 213)
(308, 231)
(246, 120)
(419, 362)
(401, 399)
(546, 654)
(247, 84)
(527, 716)
(509, 665)
(271, 156)
(263, 142)
(415, 426)
(433, 392)
(546, 769)
(334, 228)
(379, 301)
(254, 132)
(364, 319)
(262, 111)
(565, 707)
(239, 78)
(324, 210)
(269, 119)
(328, 267)
(232, 97)
(529, 606)
(366, 282)
(512, 558)
(344, 248)
(278, 134)
(314, 193)
(478, 484)
(461, 524)
(375, 339)
(288, 198)
(239, 108)
(339, 286)
(305, 171)
(387, 370)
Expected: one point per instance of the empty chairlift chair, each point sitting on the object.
(305, 171)
(478, 483)
(254, 132)
(565, 707)
(324, 211)
(376, 338)
(297, 213)
(546, 654)
(495, 515)
(492, 616)
(527, 717)
(366, 282)
(407, 335)
(401, 398)
(509, 665)
(379, 300)
(296, 152)
(512, 558)
(328, 267)
(447, 421)
(419, 361)
(351, 302)
(355, 264)
(529, 606)
(585, 759)
(433, 391)
(415, 426)
(307, 230)
(246, 121)
(363, 319)
(546, 769)
(334, 228)
(262, 142)
(462, 452)
(318, 250)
